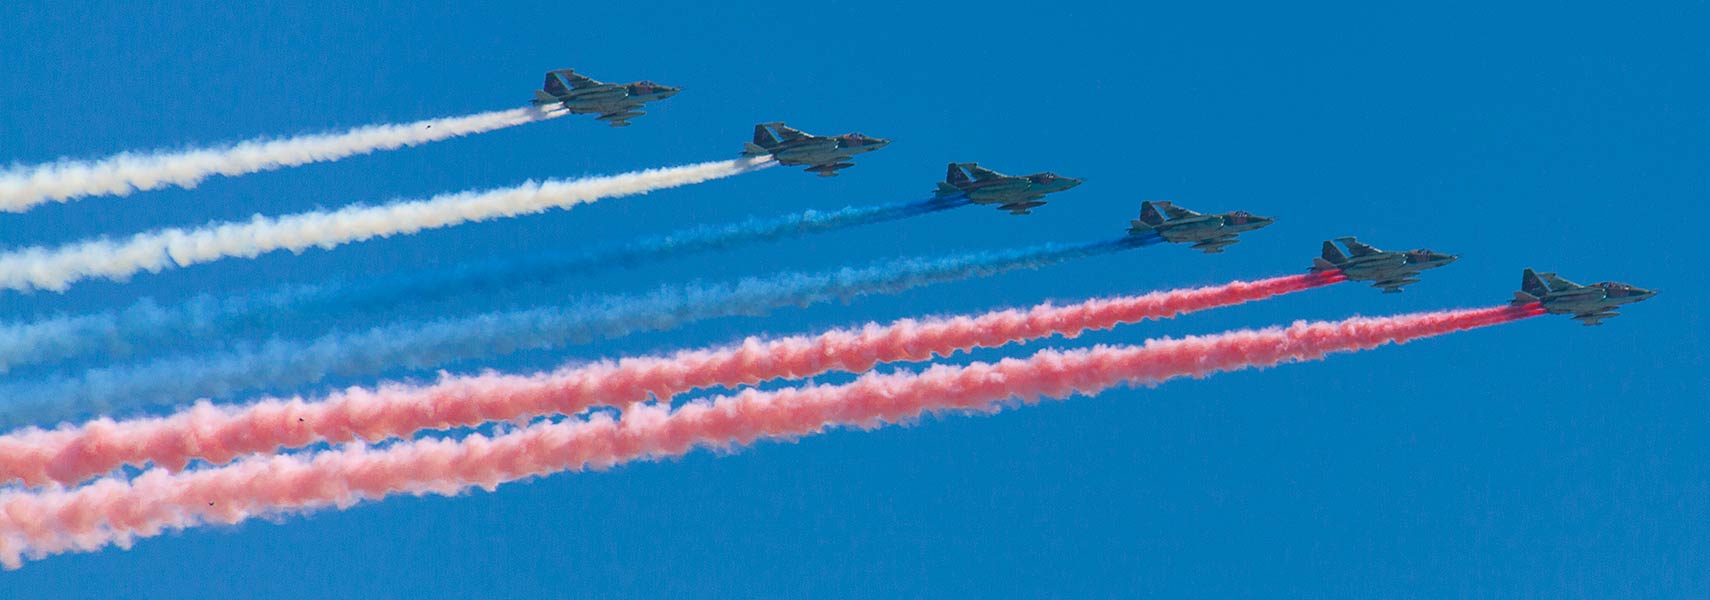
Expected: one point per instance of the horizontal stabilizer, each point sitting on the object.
(753, 150)
(541, 97)
(1523, 298)
(1320, 265)
(945, 189)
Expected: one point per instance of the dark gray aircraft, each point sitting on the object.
(1017, 194)
(616, 103)
(1589, 304)
(1387, 270)
(1208, 233)
(823, 154)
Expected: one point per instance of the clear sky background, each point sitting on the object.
(1539, 459)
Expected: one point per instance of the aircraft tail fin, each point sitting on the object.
(554, 85)
(1332, 254)
(764, 138)
(1149, 214)
(957, 177)
(1532, 285)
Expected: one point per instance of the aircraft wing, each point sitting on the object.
(785, 133)
(1390, 286)
(983, 174)
(620, 116)
(1176, 212)
(1557, 283)
(1216, 244)
(829, 169)
(1021, 208)
(1358, 249)
(1595, 318)
(578, 82)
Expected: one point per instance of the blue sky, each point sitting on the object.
(1536, 459)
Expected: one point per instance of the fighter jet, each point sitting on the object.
(1208, 233)
(1387, 270)
(1589, 304)
(1014, 193)
(823, 154)
(616, 103)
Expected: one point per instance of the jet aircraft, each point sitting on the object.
(1387, 270)
(616, 103)
(1208, 233)
(1589, 304)
(823, 154)
(1017, 194)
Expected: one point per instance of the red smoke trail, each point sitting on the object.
(220, 434)
(114, 511)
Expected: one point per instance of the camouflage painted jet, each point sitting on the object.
(1208, 233)
(616, 103)
(1387, 270)
(823, 154)
(1589, 304)
(1014, 193)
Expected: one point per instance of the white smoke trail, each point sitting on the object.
(57, 268)
(22, 187)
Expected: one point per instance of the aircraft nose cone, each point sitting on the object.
(1069, 182)
(1443, 259)
(1643, 294)
(878, 143)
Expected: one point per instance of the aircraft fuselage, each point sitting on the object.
(1193, 229)
(1376, 266)
(1584, 300)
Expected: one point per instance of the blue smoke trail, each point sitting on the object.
(147, 325)
(284, 364)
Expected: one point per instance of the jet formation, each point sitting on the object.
(822, 154)
(1387, 270)
(1589, 304)
(616, 103)
(1208, 233)
(1017, 194)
